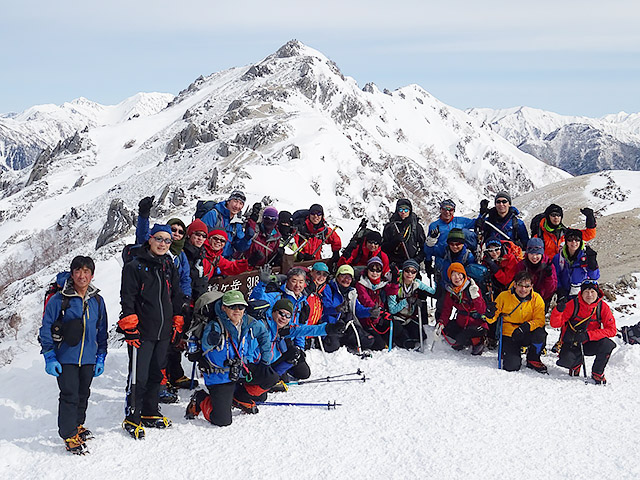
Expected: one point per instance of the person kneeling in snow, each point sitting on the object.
(521, 311)
(74, 345)
(587, 323)
(470, 326)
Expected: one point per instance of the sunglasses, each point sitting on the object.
(316, 214)
(217, 239)
(555, 215)
(163, 240)
(502, 201)
(284, 314)
(573, 239)
(236, 307)
(495, 249)
(200, 234)
(373, 242)
(524, 286)
(177, 230)
(448, 209)
(269, 218)
(375, 269)
(410, 271)
(403, 210)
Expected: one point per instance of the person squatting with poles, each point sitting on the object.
(73, 337)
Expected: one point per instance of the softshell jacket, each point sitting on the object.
(316, 235)
(333, 299)
(181, 262)
(361, 255)
(444, 257)
(150, 289)
(251, 344)
(314, 295)
(219, 217)
(444, 228)
(272, 292)
(515, 312)
(264, 242)
(412, 236)
(519, 235)
(371, 295)
(91, 310)
(554, 237)
(279, 345)
(573, 271)
(587, 318)
(467, 301)
(199, 274)
(404, 303)
(545, 285)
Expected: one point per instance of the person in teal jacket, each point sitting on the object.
(74, 345)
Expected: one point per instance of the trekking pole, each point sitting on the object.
(360, 353)
(130, 406)
(497, 229)
(431, 285)
(329, 405)
(500, 344)
(420, 326)
(322, 379)
(437, 332)
(193, 376)
(390, 335)
(404, 247)
(362, 379)
(584, 364)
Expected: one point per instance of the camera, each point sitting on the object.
(235, 368)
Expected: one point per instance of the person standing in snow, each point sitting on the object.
(225, 216)
(313, 230)
(151, 317)
(403, 236)
(368, 248)
(74, 345)
(521, 311)
(541, 268)
(501, 221)
(575, 263)
(548, 226)
(587, 325)
(265, 245)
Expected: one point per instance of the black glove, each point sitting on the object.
(590, 217)
(335, 256)
(144, 206)
(561, 304)
(307, 256)
(214, 337)
(479, 224)
(547, 270)
(255, 258)
(255, 211)
(520, 332)
(476, 315)
(422, 294)
(592, 262)
(337, 328)
(581, 337)
(484, 207)
(395, 273)
(292, 355)
(492, 265)
(265, 275)
(491, 309)
(428, 268)
(374, 312)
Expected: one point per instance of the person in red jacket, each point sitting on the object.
(587, 325)
(541, 269)
(501, 258)
(315, 232)
(469, 327)
(216, 264)
(369, 248)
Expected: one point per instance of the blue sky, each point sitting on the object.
(571, 57)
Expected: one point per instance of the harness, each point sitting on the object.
(597, 311)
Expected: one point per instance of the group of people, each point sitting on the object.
(496, 280)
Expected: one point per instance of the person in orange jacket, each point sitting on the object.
(587, 325)
(551, 230)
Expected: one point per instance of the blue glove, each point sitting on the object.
(52, 365)
(99, 368)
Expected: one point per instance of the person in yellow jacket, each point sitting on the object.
(522, 313)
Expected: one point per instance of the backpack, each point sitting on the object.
(299, 216)
(203, 207)
(357, 239)
(129, 252)
(200, 316)
(54, 287)
(482, 278)
(470, 240)
(631, 335)
(509, 247)
(534, 226)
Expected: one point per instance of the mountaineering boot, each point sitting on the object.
(76, 445)
(136, 430)
(155, 421)
(247, 407)
(556, 346)
(598, 378)
(477, 349)
(279, 387)
(193, 408)
(184, 382)
(166, 396)
(84, 433)
(492, 343)
(537, 366)
(575, 371)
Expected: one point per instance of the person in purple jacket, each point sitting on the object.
(575, 263)
(541, 268)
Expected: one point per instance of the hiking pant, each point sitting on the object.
(151, 356)
(571, 356)
(534, 340)
(463, 336)
(74, 383)
(349, 339)
(216, 407)
(406, 335)
(263, 378)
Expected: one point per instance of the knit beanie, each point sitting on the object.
(197, 226)
(177, 245)
(455, 235)
(504, 195)
(283, 304)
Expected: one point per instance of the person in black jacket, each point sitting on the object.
(403, 237)
(151, 302)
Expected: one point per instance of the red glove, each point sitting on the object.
(178, 325)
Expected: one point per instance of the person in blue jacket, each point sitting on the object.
(235, 346)
(574, 264)
(225, 216)
(439, 230)
(501, 222)
(74, 345)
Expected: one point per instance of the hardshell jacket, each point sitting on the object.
(150, 289)
(597, 326)
(216, 264)
(554, 237)
(199, 278)
(515, 312)
(463, 223)
(333, 299)
(444, 257)
(219, 217)
(316, 236)
(469, 300)
(251, 344)
(361, 255)
(412, 235)
(404, 303)
(511, 225)
(572, 272)
(265, 243)
(88, 313)
(544, 284)
(278, 344)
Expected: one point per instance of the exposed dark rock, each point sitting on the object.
(119, 222)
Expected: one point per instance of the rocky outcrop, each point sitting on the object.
(119, 222)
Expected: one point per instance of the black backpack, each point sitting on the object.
(203, 207)
(534, 226)
(631, 335)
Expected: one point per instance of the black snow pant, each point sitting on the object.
(511, 357)
(348, 338)
(463, 336)
(263, 378)
(174, 368)
(74, 383)
(216, 407)
(151, 357)
(571, 356)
